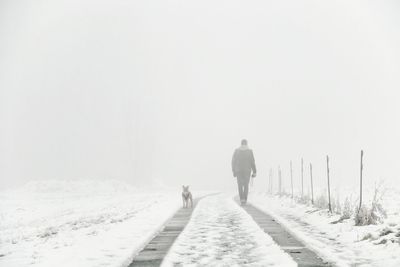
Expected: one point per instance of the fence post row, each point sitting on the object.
(270, 186)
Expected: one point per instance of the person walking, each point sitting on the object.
(243, 166)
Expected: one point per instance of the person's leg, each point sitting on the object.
(240, 188)
(242, 182)
(246, 188)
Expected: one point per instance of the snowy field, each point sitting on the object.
(87, 223)
(342, 243)
(105, 223)
(221, 233)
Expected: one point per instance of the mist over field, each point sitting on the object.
(161, 92)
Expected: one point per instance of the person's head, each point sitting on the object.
(244, 142)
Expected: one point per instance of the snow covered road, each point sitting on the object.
(221, 233)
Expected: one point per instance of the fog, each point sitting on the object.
(161, 92)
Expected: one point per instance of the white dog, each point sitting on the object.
(187, 197)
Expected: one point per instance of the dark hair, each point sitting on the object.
(244, 142)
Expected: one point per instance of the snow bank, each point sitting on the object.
(343, 243)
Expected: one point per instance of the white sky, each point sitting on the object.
(164, 90)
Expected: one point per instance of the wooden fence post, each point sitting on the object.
(270, 181)
(361, 178)
(312, 186)
(291, 177)
(329, 187)
(280, 180)
(302, 179)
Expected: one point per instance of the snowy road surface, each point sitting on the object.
(221, 233)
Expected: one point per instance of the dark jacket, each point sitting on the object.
(243, 162)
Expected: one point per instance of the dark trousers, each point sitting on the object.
(243, 186)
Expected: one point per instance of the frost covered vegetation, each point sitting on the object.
(371, 212)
